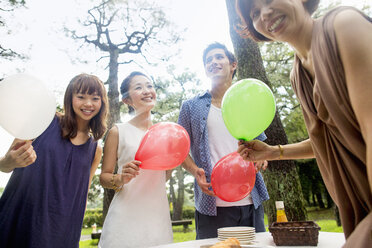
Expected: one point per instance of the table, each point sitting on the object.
(325, 240)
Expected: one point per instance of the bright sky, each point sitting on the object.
(37, 31)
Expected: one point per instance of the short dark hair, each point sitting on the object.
(217, 45)
(246, 28)
(124, 87)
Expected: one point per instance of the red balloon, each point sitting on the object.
(164, 146)
(233, 178)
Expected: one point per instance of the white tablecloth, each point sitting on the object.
(325, 240)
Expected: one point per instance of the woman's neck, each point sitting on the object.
(82, 134)
(82, 126)
(302, 46)
(142, 120)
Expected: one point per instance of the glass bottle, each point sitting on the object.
(280, 213)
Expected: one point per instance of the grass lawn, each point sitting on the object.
(89, 243)
(180, 236)
(324, 218)
(87, 231)
(329, 226)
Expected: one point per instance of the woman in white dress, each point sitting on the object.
(139, 212)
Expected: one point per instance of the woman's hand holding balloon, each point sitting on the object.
(256, 150)
(202, 181)
(20, 154)
(129, 171)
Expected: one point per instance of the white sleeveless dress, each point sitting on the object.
(139, 214)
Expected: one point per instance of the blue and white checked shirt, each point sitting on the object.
(193, 117)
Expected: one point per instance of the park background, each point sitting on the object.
(43, 38)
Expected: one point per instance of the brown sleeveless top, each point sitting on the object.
(333, 128)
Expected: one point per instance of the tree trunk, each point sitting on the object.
(337, 215)
(172, 194)
(114, 116)
(281, 177)
(314, 201)
(319, 198)
(178, 206)
(330, 202)
(113, 92)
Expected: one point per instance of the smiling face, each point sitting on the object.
(280, 20)
(142, 95)
(217, 65)
(86, 106)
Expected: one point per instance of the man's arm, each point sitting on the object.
(199, 175)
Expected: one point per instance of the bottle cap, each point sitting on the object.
(279, 204)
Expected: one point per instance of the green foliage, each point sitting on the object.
(187, 212)
(171, 92)
(278, 60)
(95, 193)
(189, 192)
(93, 216)
(315, 214)
(312, 183)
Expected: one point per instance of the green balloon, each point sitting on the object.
(248, 108)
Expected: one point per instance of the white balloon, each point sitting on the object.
(27, 107)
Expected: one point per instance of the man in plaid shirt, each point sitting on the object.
(210, 140)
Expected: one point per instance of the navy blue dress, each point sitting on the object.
(43, 204)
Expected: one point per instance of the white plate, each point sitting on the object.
(236, 236)
(236, 229)
(240, 240)
(247, 232)
(242, 234)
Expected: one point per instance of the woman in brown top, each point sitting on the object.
(332, 78)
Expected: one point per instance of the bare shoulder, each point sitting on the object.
(351, 23)
(112, 140)
(353, 34)
(113, 133)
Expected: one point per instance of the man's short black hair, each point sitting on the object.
(217, 45)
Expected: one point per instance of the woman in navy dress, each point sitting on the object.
(44, 201)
